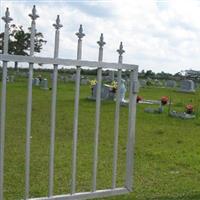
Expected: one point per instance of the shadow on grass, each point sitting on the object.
(185, 197)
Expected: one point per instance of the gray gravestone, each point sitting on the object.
(44, 84)
(170, 83)
(36, 81)
(106, 93)
(187, 86)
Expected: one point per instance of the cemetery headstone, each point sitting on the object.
(106, 93)
(187, 86)
(170, 83)
(44, 84)
(36, 81)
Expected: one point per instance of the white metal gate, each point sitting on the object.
(94, 193)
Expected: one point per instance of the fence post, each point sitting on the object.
(57, 26)
(131, 129)
(33, 16)
(101, 43)
(80, 35)
(7, 19)
(117, 112)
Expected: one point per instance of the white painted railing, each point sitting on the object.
(94, 193)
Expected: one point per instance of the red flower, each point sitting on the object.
(138, 99)
(189, 108)
(164, 100)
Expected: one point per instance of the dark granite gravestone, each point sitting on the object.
(106, 93)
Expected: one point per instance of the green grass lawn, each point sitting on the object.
(167, 152)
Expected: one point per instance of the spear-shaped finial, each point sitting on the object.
(58, 25)
(120, 50)
(33, 15)
(7, 19)
(80, 33)
(101, 42)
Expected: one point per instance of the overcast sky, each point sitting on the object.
(161, 35)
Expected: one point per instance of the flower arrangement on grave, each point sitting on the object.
(139, 98)
(92, 83)
(164, 100)
(114, 86)
(189, 109)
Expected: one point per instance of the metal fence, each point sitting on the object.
(94, 193)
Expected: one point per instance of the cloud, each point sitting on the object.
(162, 35)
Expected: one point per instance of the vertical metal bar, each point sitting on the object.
(7, 20)
(116, 130)
(29, 106)
(101, 43)
(80, 35)
(117, 111)
(131, 130)
(57, 26)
